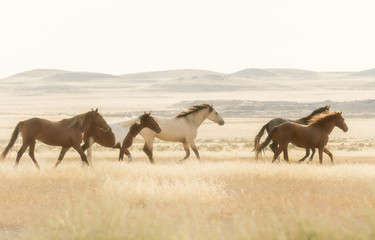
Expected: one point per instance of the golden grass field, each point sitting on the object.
(229, 195)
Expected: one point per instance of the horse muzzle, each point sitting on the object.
(221, 123)
(108, 128)
(158, 131)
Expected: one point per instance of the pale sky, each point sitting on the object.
(116, 37)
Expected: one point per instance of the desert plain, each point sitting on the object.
(227, 195)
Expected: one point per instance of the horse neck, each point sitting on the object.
(328, 126)
(135, 128)
(87, 123)
(197, 118)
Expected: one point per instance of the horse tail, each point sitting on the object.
(13, 139)
(259, 135)
(263, 145)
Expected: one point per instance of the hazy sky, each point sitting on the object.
(118, 37)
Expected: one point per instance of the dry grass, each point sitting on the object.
(209, 200)
(229, 195)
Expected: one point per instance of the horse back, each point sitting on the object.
(172, 129)
(49, 132)
(276, 122)
(300, 135)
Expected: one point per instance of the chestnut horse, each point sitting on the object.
(277, 121)
(183, 128)
(121, 136)
(315, 135)
(66, 133)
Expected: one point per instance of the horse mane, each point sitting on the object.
(316, 112)
(194, 109)
(74, 121)
(323, 117)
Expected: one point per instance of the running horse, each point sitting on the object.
(277, 121)
(121, 135)
(182, 128)
(66, 133)
(314, 135)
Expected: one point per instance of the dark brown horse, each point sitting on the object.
(66, 133)
(315, 135)
(121, 136)
(277, 121)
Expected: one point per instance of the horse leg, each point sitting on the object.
(20, 153)
(306, 155)
(78, 148)
(286, 157)
(320, 155)
(88, 142)
(277, 154)
(31, 153)
(128, 154)
(312, 154)
(329, 154)
(147, 148)
(187, 151)
(273, 147)
(195, 150)
(121, 154)
(61, 155)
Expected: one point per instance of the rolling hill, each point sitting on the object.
(194, 80)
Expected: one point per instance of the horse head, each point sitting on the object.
(340, 122)
(215, 116)
(149, 122)
(98, 120)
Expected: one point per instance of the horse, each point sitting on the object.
(181, 128)
(277, 121)
(314, 135)
(66, 133)
(121, 135)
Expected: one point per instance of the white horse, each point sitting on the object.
(182, 128)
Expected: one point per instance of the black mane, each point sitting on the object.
(194, 109)
(314, 113)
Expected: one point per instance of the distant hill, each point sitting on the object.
(37, 74)
(59, 75)
(78, 77)
(275, 73)
(253, 73)
(168, 75)
(193, 80)
(366, 73)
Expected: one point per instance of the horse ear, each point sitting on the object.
(149, 113)
(329, 106)
(92, 109)
(96, 110)
(340, 113)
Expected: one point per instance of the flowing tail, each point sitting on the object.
(13, 139)
(259, 135)
(263, 145)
